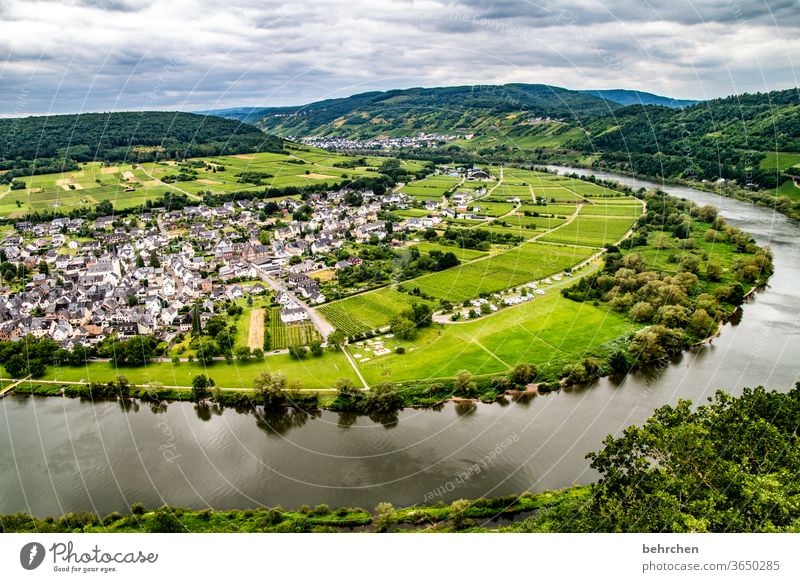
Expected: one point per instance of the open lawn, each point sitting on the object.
(788, 189)
(779, 160)
(547, 331)
(317, 373)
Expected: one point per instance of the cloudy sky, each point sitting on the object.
(102, 55)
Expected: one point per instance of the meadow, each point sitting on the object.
(548, 331)
(312, 372)
(430, 188)
(527, 262)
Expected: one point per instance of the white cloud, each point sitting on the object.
(129, 54)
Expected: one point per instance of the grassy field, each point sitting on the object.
(367, 311)
(462, 254)
(591, 231)
(430, 188)
(546, 331)
(788, 189)
(85, 188)
(316, 373)
(95, 183)
(285, 336)
(521, 264)
(780, 160)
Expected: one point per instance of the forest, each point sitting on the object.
(50, 144)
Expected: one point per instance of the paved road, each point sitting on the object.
(323, 327)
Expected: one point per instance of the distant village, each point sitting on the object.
(421, 140)
(143, 275)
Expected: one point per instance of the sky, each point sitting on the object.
(71, 56)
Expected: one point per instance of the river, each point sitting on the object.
(59, 454)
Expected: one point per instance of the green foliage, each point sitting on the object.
(55, 143)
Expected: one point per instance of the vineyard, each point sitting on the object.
(367, 311)
(294, 334)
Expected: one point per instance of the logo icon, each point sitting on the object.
(31, 555)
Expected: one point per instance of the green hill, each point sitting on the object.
(519, 108)
(722, 138)
(37, 145)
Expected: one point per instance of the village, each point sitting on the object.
(159, 273)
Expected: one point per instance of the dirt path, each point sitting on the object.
(255, 333)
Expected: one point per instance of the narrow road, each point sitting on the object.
(355, 367)
(323, 327)
(181, 190)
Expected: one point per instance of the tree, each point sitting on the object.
(385, 518)
(403, 328)
(243, 353)
(713, 272)
(43, 268)
(522, 374)
(458, 509)
(206, 349)
(730, 465)
(701, 324)
(316, 348)
(464, 384)
(383, 398)
(200, 386)
(271, 390)
(337, 339)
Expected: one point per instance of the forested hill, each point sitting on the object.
(447, 110)
(628, 97)
(55, 143)
(719, 138)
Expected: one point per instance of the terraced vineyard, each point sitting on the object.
(286, 336)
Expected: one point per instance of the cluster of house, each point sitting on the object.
(421, 140)
(87, 280)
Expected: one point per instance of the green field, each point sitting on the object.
(779, 160)
(527, 262)
(286, 336)
(547, 331)
(85, 188)
(430, 188)
(367, 311)
(462, 254)
(788, 189)
(591, 231)
(313, 372)
(600, 208)
(95, 183)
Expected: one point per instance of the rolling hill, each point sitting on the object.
(446, 110)
(46, 144)
(628, 97)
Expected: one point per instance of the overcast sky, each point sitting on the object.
(103, 55)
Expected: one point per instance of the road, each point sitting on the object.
(323, 327)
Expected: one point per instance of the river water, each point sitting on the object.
(59, 454)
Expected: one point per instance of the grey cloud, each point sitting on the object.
(198, 54)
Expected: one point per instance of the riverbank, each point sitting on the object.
(478, 515)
